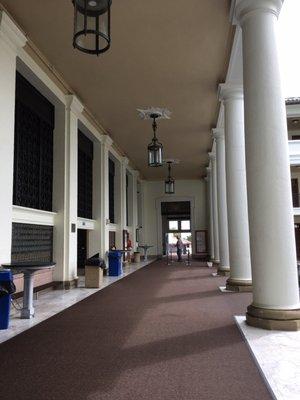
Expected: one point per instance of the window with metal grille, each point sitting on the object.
(33, 149)
(32, 243)
(85, 176)
(111, 179)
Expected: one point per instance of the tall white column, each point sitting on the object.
(210, 213)
(95, 235)
(124, 164)
(65, 192)
(11, 40)
(236, 188)
(274, 271)
(135, 175)
(104, 182)
(214, 194)
(224, 267)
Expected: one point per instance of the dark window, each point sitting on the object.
(33, 150)
(85, 176)
(31, 242)
(111, 191)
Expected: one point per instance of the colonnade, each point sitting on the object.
(250, 171)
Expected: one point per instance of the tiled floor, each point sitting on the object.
(55, 301)
(277, 355)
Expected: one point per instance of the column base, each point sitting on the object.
(239, 285)
(216, 263)
(65, 285)
(280, 320)
(223, 271)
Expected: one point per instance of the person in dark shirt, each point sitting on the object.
(179, 246)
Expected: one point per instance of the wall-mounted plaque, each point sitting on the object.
(201, 242)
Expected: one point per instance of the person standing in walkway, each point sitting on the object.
(179, 246)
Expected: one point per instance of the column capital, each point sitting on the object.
(107, 140)
(208, 170)
(10, 33)
(135, 173)
(74, 104)
(125, 161)
(212, 156)
(218, 133)
(241, 9)
(228, 91)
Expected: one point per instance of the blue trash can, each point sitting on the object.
(115, 263)
(6, 286)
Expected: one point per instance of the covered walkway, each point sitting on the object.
(164, 332)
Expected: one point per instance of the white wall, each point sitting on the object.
(154, 191)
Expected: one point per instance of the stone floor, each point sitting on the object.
(55, 301)
(277, 355)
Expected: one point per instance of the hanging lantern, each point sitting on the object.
(92, 25)
(155, 149)
(169, 182)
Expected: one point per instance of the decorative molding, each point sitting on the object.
(10, 33)
(74, 104)
(218, 133)
(85, 223)
(212, 155)
(229, 91)
(125, 161)
(240, 9)
(25, 215)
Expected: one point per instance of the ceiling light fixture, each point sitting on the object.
(169, 182)
(92, 26)
(155, 148)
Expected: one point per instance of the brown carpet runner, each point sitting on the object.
(162, 333)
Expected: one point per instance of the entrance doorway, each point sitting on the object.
(81, 250)
(176, 221)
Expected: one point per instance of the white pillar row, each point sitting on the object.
(65, 193)
(224, 266)
(210, 213)
(236, 188)
(273, 256)
(11, 41)
(106, 144)
(214, 195)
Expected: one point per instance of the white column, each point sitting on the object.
(95, 235)
(214, 194)
(135, 175)
(65, 193)
(273, 255)
(224, 267)
(210, 213)
(123, 205)
(11, 40)
(104, 182)
(237, 207)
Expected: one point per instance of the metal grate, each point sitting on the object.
(32, 242)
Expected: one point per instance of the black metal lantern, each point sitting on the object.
(155, 149)
(169, 182)
(92, 25)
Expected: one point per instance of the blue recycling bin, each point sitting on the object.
(5, 299)
(115, 263)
